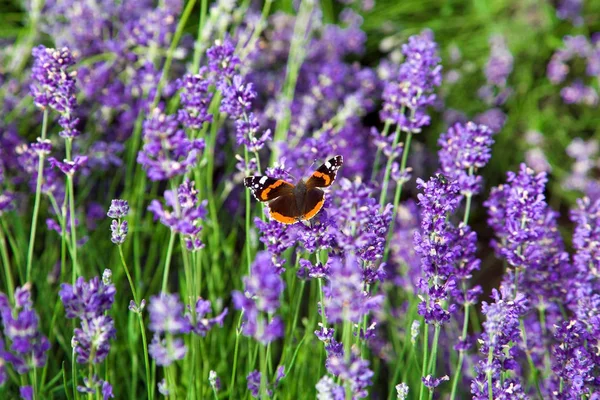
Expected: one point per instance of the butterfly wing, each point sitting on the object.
(315, 198)
(325, 174)
(267, 189)
(283, 209)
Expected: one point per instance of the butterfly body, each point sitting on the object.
(290, 203)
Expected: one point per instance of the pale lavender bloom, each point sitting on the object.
(26, 392)
(570, 10)
(26, 346)
(186, 215)
(195, 100)
(166, 352)
(410, 92)
(328, 390)
(166, 315)
(263, 288)
(118, 209)
(167, 151)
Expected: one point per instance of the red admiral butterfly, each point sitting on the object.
(293, 203)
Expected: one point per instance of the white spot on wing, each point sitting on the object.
(263, 180)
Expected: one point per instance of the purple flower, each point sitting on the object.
(578, 93)
(575, 360)
(26, 345)
(93, 339)
(214, 380)
(586, 242)
(328, 390)
(221, 59)
(167, 151)
(26, 392)
(465, 149)
(436, 244)
(166, 352)
(186, 216)
(431, 383)
(195, 100)
(55, 87)
(118, 209)
(253, 380)
(354, 371)
(501, 332)
(69, 167)
(166, 315)
(87, 300)
(358, 225)
(91, 386)
(263, 289)
(204, 324)
(410, 91)
(497, 70)
(570, 10)
(345, 298)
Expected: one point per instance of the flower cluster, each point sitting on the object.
(497, 70)
(437, 248)
(195, 100)
(167, 151)
(465, 149)
(22, 344)
(501, 336)
(260, 300)
(89, 302)
(254, 378)
(117, 211)
(410, 91)
(167, 319)
(54, 86)
(584, 167)
(186, 215)
(558, 69)
(345, 298)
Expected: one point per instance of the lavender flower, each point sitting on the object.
(353, 371)
(431, 383)
(166, 315)
(570, 10)
(497, 70)
(345, 299)
(263, 289)
(89, 301)
(402, 391)
(465, 149)
(587, 250)
(55, 87)
(437, 248)
(215, 382)
(328, 390)
(167, 151)
(26, 392)
(69, 167)
(501, 333)
(118, 209)
(204, 324)
(186, 216)
(167, 319)
(222, 60)
(411, 90)
(195, 100)
(26, 345)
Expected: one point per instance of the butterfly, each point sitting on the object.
(290, 203)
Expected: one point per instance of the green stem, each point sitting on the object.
(263, 372)
(197, 47)
(73, 227)
(165, 278)
(235, 356)
(10, 283)
(36, 204)
(397, 194)
(384, 133)
(141, 323)
(388, 168)
(424, 367)
(489, 373)
(461, 355)
(248, 212)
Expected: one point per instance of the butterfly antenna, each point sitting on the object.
(308, 170)
(290, 175)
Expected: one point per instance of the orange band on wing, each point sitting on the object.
(325, 177)
(265, 193)
(315, 210)
(282, 218)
